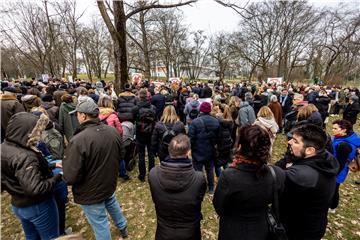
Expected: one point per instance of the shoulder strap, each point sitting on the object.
(275, 203)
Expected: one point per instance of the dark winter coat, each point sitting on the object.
(276, 109)
(68, 122)
(136, 110)
(53, 112)
(241, 200)
(158, 100)
(225, 142)
(351, 111)
(126, 102)
(9, 106)
(204, 135)
(286, 103)
(89, 165)
(25, 174)
(322, 104)
(309, 188)
(206, 92)
(177, 191)
(157, 135)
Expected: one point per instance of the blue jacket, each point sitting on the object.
(354, 142)
(204, 135)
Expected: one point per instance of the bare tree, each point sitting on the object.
(195, 54)
(221, 53)
(70, 19)
(117, 29)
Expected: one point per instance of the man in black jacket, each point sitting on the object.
(352, 109)
(90, 165)
(177, 191)
(145, 116)
(309, 184)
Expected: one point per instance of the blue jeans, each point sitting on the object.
(122, 169)
(96, 215)
(39, 221)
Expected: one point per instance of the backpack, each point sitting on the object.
(193, 113)
(167, 136)
(146, 120)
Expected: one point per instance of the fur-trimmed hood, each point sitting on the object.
(126, 94)
(5, 97)
(25, 129)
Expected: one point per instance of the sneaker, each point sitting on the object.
(124, 232)
(357, 182)
(68, 231)
(332, 210)
(142, 179)
(211, 193)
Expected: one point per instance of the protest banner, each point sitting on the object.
(277, 80)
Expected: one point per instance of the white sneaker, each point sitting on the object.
(332, 210)
(68, 231)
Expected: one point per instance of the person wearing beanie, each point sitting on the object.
(204, 135)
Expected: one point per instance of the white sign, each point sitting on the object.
(277, 80)
(136, 78)
(70, 79)
(174, 80)
(45, 77)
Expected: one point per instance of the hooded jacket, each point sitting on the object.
(111, 118)
(177, 191)
(25, 174)
(126, 102)
(309, 188)
(269, 125)
(9, 106)
(246, 114)
(30, 101)
(354, 141)
(189, 106)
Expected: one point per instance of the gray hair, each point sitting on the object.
(273, 98)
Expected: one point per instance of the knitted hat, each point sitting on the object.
(205, 107)
(47, 98)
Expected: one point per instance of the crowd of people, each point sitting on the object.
(209, 138)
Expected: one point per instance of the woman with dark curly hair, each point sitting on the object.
(246, 188)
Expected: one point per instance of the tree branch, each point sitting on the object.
(146, 7)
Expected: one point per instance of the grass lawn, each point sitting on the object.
(139, 210)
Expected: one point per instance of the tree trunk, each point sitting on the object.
(120, 52)
(147, 72)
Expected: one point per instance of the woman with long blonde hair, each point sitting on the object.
(266, 120)
(168, 127)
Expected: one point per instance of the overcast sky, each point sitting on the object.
(210, 16)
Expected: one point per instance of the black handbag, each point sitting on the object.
(276, 229)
